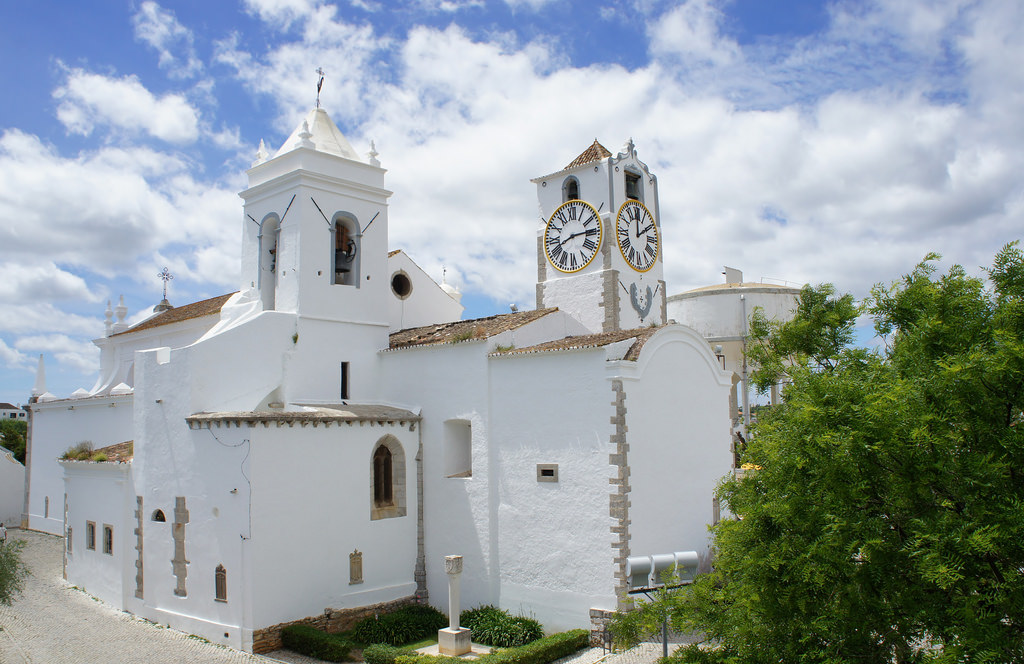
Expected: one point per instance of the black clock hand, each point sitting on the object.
(571, 237)
(639, 233)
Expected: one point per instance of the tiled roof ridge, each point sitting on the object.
(595, 152)
(464, 330)
(578, 342)
(207, 307)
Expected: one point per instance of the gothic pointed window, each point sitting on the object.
(387, 481)
(383, 487)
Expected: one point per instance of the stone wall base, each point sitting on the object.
(268, 639)
(599, 619)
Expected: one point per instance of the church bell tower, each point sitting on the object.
(599, 248)
(316, 227)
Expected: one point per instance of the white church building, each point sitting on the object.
(311, 447)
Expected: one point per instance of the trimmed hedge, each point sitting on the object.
(541, 651)
(382, 653)
(495, 627)
(310, 641)
(407, 624)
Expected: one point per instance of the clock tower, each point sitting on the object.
(599, 248)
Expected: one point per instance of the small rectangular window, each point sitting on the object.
(108, 540)
(344, 381)
(90, 535)
(547, 472)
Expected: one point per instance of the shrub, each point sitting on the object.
(407, 624)
(79, 452)
(494, 627)
(541, 651)
(382, 653)
(311, 642)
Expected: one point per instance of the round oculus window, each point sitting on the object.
(401, 285)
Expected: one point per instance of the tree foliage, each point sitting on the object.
(885, 522)
(12, 436)
(12, 570)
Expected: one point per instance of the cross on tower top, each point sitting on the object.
(166, 275)
(319, 84)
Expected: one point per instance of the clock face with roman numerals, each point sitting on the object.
(637, 234)
(573, 236)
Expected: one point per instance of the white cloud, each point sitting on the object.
(691, 32)
(287, 73)
(21, 282)
(160, 29)
(87, 100)
(13, 359)
(281, 13)
(77, 353)
(805, 178)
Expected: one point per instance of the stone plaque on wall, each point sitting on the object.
(355, 567)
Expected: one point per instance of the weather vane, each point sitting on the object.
(166, 275)
(319, 84)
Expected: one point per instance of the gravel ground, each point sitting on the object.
(53, 623)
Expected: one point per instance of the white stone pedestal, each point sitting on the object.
(453, 642)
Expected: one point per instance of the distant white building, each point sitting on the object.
(9, 411)
(310, 447)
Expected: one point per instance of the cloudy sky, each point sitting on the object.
(799, 140)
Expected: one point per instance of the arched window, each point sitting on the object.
(158, 515)
(220, 582)
(269, 239)
(345, 239)
(387, 481)
(570, 189)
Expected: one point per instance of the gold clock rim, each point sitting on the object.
(600, 238)
(657, 236)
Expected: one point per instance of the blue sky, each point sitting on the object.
(805, 141)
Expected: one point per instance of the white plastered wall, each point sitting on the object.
(677, 418)
(457, 510)
(101, 493)
(58, 425)
(12, 488)
(426, 303)
(311, 499)
(552, 539)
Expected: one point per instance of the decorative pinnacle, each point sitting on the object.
(319, 84)
(166, 276)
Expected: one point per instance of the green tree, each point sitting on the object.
(12, 570)
(885, 522)
(12, 436)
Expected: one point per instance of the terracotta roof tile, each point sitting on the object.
(393, 252)
(641, 335)
(595, 152)
(119, 452)
(464, 330)
(199, 309)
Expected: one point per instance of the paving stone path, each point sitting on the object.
(53, 623)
